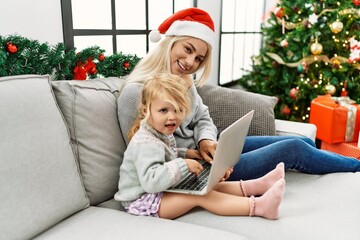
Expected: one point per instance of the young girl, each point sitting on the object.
(152, 164)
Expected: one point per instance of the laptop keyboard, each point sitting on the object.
(193, 182)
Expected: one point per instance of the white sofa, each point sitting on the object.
(60, 152)
(284, 127)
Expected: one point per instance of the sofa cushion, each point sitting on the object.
(228, 105)
(90, 110)
(39, 177)
(97, 223)
(314, 207)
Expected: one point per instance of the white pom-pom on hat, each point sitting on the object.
(154, 36)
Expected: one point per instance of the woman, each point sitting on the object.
(187, 49)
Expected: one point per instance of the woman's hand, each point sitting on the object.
(194, 154)
(194, 166)
(207, 149)
(227, 174)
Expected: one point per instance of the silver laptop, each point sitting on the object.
(230, 145)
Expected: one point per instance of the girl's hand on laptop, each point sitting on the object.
(207, 149)
(194, 166)
(193, 154)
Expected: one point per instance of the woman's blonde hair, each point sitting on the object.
(164, 86)
(158, 60)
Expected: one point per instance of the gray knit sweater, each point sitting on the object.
(151, 164)
(196, 126)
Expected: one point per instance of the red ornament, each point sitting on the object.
(126, 65)
(293, 93)
(90, 66)
(356, 2)
(285, 110)
(11, 48)
(101, 57)
(79, 72)
(279, 12)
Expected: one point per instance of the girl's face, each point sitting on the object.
(164, 117)
(187, 55)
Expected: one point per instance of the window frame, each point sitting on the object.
(69, 31)
(232, 82)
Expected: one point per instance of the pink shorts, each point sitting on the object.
(147, 205)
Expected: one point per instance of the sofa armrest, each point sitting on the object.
(284, 128)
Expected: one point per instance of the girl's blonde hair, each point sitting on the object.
(158, 60)
(164, 86)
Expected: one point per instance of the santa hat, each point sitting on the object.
(192, 22)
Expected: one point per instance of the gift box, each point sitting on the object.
(337, 119)
(349, 149)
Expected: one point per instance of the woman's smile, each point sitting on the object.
(181, 66)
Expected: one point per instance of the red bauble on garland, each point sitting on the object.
(90, 66)
(79, 72)
(126, 65)
(11, 48)
(356, 2)
(101, 57)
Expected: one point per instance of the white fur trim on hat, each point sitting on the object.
(192, 29)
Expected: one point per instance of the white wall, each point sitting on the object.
(213, 7)
(35, 19)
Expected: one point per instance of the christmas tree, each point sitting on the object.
(20, 55)
(310, 48)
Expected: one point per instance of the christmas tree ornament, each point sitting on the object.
(279, 12)
(313, 18)
(284, 43)
(354, 50)
(336, 26)
(330, 89)
(336, 63)
(356, 2)
(11, 48)
(293, 93)
(285, 110)
(300, 68)
(316, 48)
(275, 64)
(305, 66)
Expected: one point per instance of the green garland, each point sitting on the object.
(20, 55)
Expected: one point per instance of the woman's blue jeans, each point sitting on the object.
(262, 153)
